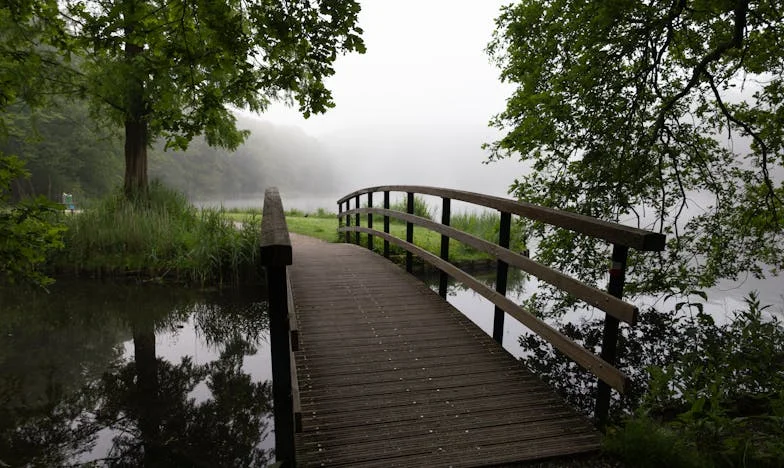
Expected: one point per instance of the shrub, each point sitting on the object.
(718, 389)
(160, 235)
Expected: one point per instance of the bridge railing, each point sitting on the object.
(276, 256)
(616, 310)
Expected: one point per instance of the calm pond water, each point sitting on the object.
(102, 373)
(111, 374)
(723, 300)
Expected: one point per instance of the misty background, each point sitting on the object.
(412, 110)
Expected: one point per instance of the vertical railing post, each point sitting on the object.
(446, 216)
(356, 216)
(348, 220)
(386, 223)
(610, 336)
(275, 256)
(502, 270)
(410, 232)
(340, 217)
(370, 221)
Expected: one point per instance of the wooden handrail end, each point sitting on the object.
(635, 316)
(275, 240)
(654, 242)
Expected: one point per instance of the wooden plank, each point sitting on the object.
(275, 241)
(615, 233)
(592, 363)
(426, 391)
(600, 299)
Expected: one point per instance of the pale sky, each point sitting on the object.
(425, 65)
(414, 108)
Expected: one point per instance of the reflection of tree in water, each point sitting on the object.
(656, 339)
(53, 351)
(160, 413)
(150, 403)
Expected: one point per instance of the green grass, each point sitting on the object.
(324, 225)
(160, 236)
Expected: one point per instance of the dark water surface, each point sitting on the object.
(723, 300)
(111, 374)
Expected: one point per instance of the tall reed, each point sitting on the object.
(161, 235)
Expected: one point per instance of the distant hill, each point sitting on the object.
(66, 151)
(285, 157)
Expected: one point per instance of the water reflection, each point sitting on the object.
(129, 375)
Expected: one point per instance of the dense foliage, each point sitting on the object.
(667, 115)
(27, 231)
(65, 150)
(702, 394)
(170, 69)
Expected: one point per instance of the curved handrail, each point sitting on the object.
(600, 299)
(594, 364)
(615, 233)
(622, 237)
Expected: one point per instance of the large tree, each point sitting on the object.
(170, 69)
(666, 114)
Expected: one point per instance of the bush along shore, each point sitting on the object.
(159, 236)
(703, 394)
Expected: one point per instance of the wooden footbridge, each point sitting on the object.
(372, 368)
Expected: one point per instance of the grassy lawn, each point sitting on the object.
(325, 227)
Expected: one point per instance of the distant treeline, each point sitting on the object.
(68, 151)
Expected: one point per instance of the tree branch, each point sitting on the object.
(770, 197)
(735, 42)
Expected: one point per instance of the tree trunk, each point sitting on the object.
(135, 117)
(135, 157)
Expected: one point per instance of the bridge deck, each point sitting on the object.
(392, 375)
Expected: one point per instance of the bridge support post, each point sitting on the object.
(410, 232)
(502, 270)
(386, 223)
(370, 221)
(276, 255)
(446, 216)
(610, 336)
(281, 365)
